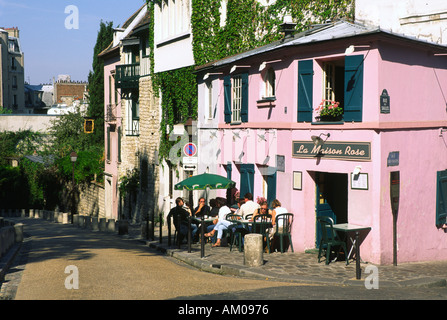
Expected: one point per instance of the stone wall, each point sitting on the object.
(141, 152)
(89, 199)
(38, 123)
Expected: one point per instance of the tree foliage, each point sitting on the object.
(68, 135)
(18, 144)
(96, 81)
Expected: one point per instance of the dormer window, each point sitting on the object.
(270, 83)
(236, 98)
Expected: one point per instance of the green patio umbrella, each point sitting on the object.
(204, 181)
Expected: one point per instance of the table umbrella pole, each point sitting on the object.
(202, 238)
(189, 234)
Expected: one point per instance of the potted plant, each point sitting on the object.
(329, 110)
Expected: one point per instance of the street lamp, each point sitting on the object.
(73, 158)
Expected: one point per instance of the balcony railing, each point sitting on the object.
(133, 127)
(127, 76)
(111, 113)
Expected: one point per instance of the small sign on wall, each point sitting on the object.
(297, 180)
(393, 159)
(359, 181)
(384, 102)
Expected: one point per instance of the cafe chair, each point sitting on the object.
(329, 239)
(178, 237)
(283, 226)
(232, 232)
(261, 224)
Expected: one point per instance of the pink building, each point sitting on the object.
(259, 124)
(112, 104)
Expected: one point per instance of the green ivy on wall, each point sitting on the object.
(179, 101)
(248, 25)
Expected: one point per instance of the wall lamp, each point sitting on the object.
(233, 68)
(317, 139)
(352, 48)
(265, 63)
(207, 75)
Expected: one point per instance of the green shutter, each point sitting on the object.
(305, 90)
(108, 143)
(247, 178)
(229, 170)
(441, 198)
(227, 98)
(119, 144)
(244, 106)
(353, 104)
(271, 188)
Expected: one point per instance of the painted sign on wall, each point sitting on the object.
(359, 151)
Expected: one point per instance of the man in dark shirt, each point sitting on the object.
(202, 209)
(180, 216)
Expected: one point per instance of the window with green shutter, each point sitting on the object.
(441, 198)
(236, 98)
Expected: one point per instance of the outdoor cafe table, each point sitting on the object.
(348, 228)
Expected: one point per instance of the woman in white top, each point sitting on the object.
(277, 209)
(221, 223)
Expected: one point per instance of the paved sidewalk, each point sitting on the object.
(290, 267)
(300, 267)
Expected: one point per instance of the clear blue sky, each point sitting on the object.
(52, 49)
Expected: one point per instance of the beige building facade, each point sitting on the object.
(12, 74)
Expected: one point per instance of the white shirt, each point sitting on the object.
(280, 210)
(248, 207)
(223, 211)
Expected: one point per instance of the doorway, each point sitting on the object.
(331, 198)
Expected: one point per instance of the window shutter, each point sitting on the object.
(244, 102)
(108, 143)
(271, 188)
(227, 98)
(305, 90)
(229, 170)
(119, 144)
(247, 178)
(353, 88)
(441, 198)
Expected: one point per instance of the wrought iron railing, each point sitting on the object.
(127, 76)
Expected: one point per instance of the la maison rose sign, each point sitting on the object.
(359, 151)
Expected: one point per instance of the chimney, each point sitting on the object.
(288, 27)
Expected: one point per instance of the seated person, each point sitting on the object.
(214, 209)
(202, 209)
(180, 215)
(277, 209)
(249, 206)
(264, 209)
(220, 224)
